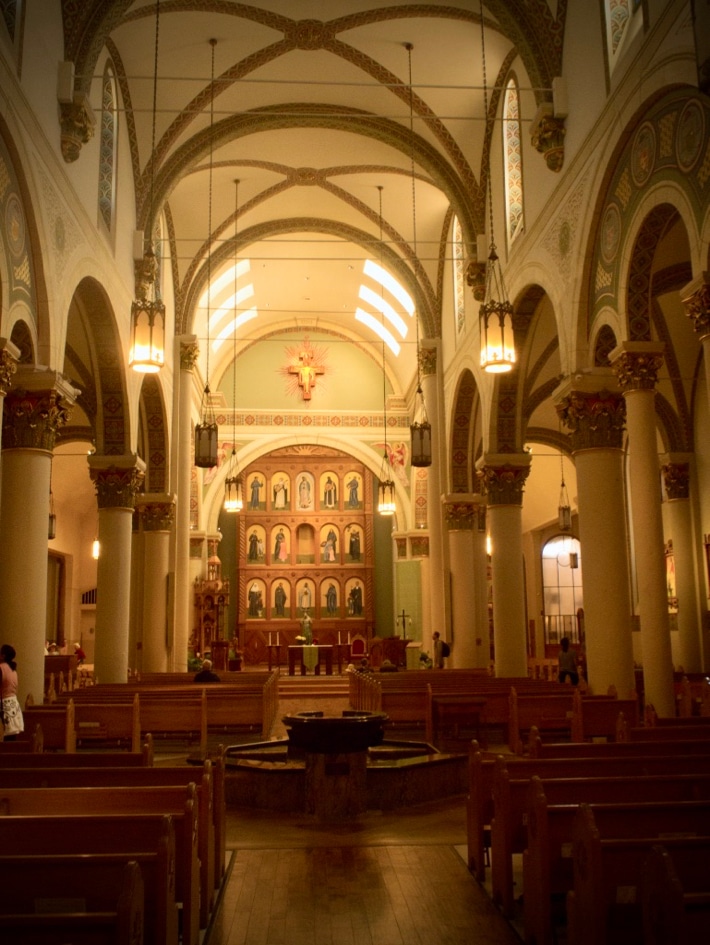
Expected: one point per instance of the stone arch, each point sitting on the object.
(463, 451)
(94, 363)
(153, 435)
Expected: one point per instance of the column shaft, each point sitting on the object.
(183, 585)
(437, 559)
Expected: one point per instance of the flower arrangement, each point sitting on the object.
(300, 640)
(425, 660)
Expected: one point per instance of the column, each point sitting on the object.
(35, 409)
(157, 516)
(437, 559)
(685, 642)
(696, 299)
(469, 610)
(117, 480)
(503, 482)
(636, 364)
(9, 356)
(595, 418)
(183, 586)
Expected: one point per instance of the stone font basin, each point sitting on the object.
(353, 731)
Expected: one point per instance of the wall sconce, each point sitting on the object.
(95, 549)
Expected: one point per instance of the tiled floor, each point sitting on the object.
(394, 878)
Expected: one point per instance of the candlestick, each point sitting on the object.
(338, 637)
(348, 637)
(278, 638)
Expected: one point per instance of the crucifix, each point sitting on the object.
(307, 373)
(403, 618)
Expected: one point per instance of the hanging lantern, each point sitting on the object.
(564, 511)
(385, 497)
(147, 351)
(233, 491)
(420, 431)
(206, 435)
(496, 321)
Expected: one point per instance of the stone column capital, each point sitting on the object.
(156, 510)
(428, 354)
(696, 301)
(9, 356)
(595, 419)
(676, 479)
(117, 480)
(36, 407)
(636, 364)
(503, 476)
(464, 511)
(189, 352)
(547, 135)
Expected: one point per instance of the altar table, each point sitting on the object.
(310, 656)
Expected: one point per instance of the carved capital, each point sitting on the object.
(503, 485)
(116, 486)
(427, 361)
(636, 365)
(595, 420)
(189, 353)
(476, 279)
(77, 124)
(157, 512)
(547, 135)
(420, 546)
(676, 478)
(32, 418)
(8, 366)
(696, 300)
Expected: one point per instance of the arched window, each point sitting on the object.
(458, 264)
(562, 589)
(513, 161)
(624, 19)
(107, 158)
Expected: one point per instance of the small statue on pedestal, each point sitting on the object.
(307, 629)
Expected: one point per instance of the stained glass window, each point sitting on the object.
(513, 161)
(107, 159)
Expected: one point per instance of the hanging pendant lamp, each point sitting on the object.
(206, 430)
(147, 349)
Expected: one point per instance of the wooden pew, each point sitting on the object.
(547, 712)
(118, 922)
(547, 860)
(605, 903)
(57, 722)
(181, 802)
(31, 740)
(595, 763)
(210, 774)
(598, 716)
(88, 759)
(675, 892)
(537, 748)
(39, 869)
(511, 797)
(672, 732)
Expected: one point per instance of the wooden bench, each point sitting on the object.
(210, 774)
(448, 711)
(118, 922)
(181, 802)
(547, 712)
(57, 722)
(605, 904)
(537, 748)
(30, 741)
(598, 716)
(38, 868)
(676, 732)
(482, 766)
(675, 892)
(89, 759)
(547, 860)
(511, 797)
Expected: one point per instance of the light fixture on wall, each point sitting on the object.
(206, 430)
(564, 510)
(385, 490)
(147, 350)
(233, 486)
(95, 549)
(420, 428)
(496, 313)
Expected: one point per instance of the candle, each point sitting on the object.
(338, 637)
(278, 638)
(271, 638)
(348, 637)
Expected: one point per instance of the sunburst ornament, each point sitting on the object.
(305, 363)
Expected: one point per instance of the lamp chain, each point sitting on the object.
(384, 376)
(151, 222)
(213, 43)
(409, 47)
(485, 121)
(234, 330)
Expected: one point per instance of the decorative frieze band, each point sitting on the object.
(503, 485)
(595, 420)
(676, 479)
(31, 419)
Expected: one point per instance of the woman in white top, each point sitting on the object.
(12, 720)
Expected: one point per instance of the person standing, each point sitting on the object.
(12, 721)
(441, 650)
(567, 663)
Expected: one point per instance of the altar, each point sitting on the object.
(310, 657)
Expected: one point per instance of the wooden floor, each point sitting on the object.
(386, 879)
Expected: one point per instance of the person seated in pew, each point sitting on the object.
(567, 663)
(388, 667)
(206, 674)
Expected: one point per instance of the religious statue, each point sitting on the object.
(280, 600)
(307, 629)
